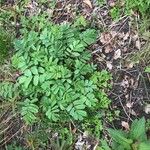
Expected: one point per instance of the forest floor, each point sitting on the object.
(122, 48)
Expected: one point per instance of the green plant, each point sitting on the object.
(147, 69)
(80, 22)
(104, 145)
(13, 146)
(141, 6)
(135, 139)
(29, 109)
(100, 2)
(93, 125)
(115, 13)
(50, 4)
(62, 143)
(56, 73)
(5, 44)
(8, 91)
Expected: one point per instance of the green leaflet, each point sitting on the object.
(104, 145)
(119, 138)
(8, 91)
(147, 70)
(89, 36)
(29, 111)
(36, 80)
(138, 129)
(52, 113)
(144, 146)
(134, 139)
(27, 73)
(34, 70)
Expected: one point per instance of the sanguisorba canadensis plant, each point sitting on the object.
(57, 79)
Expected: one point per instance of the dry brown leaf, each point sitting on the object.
(113, 34)
(138, 44)
(126, 36)
(109, 65)
(129, 65)
(125, 83)
(105, 37)
(125, 49)
(111, 3)
(132, 82)
(117, 54)
(88, 2)
(125, 125)
(127, 96)
(147, 109)
(132, 112)
(135, 37)
(129, 105)
(108, 49)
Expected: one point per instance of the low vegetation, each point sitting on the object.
(69, 75)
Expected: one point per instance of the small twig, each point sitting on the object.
(137, 27)
(116, 23)
(7, 120)
(125, 110)
(5, 129)
(7, 140)
(75, 126)
(95, 147)
(119, 97)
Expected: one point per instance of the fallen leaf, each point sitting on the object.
(126, 36)
(50, 12)
(117, 54)
(79, 144)
(125, 49)
(127, 96)
(125, 83)
(147, 109)
(105, 37)
(109, 65)
(129, 65)
(125, 125)
(138, 44)
(111, 3)
(132, 112)
(129, 105)
(135, 37)
(88, 2)
(132, 82)
(108, 49)
(114, 34)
